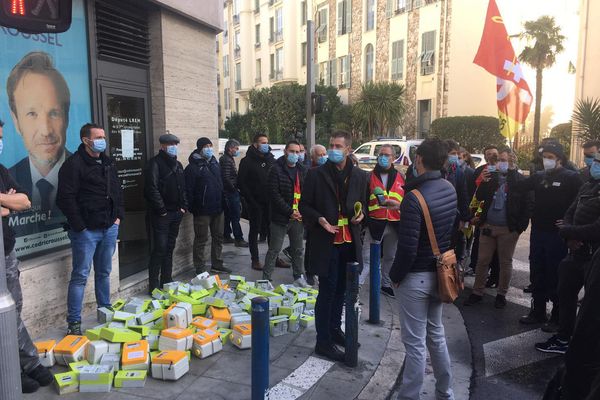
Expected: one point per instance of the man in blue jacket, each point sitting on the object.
(414, 271)
(204, 187)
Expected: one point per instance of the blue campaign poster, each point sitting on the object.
(44, 100)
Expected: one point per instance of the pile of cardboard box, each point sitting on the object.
(161, 334)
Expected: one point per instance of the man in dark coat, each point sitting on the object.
(590, 148)
(253, 180)
(204, 187)
(165, 194)
(232, 194)
(328, 210)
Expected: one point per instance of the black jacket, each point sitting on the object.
(582, 219)
(554, 192)
(89, 191)
(164, 188)
(470, 181)
(281, 189)
(456, 176)
(204, 185)
(7, 183)
(228, 173)
(414, 252)
(518, 204)
(253, 177)
(319, 199)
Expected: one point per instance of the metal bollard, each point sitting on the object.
(352, 314)
(260, 348)
(375, 282)
(10, 372)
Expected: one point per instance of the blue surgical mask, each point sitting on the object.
(301, 157)
(98, 145)
(208, 152)
(588, 161)
(322, 160)
(503, 166)
(383, 161)
(172, 150)
(595, 170)
(292, 158)
(237, 153)
(263, 148)
(1, 145)
(491, 168)
(453, 159)
(335, 156)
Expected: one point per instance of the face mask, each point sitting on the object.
(503, 166)
(1, 145)
(491, 168)
(595, 170)
(98, 145)
(453, 159)
(263, 148)
(322, 160)
(301, 157)
(549, 164)
(383, 161)
(236, 153)
(172, 150)
(292, 158)
(208, 152)
(461, 162)
(335, 156)
(588, 161)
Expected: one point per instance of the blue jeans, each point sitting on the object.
(546, 250)
(97, 245)
(232, 216)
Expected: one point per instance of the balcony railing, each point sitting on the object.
(238, 85)
(237, 52)
(236, 19)
(279, 36)
(257, 45)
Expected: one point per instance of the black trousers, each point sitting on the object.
(571, 274)
(259, 219)
(164, 234)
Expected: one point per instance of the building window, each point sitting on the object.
(225, 66)
(226, 99)
(257, 35)
(225, 32)
(279, 24)
(323, 73)
(344, 71)
(256, 6)
(238, 76)
(427, 53)
(279, 63)
(398, 60)
(369, 63)
(303, 12)
(332, 72)
(303, 54)
(237, 105)
(258, 74)
(322, 25)
(344, 17)
(397, 7)
(236, 12)
(237, 51)
(370, 13)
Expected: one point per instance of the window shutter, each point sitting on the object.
(389, 9)
(348, 15)
(340, 18)
(348, 71)
(333, 72)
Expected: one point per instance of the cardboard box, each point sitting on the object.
(150, 316)
(170, 365)
(67, 382)
(93, 334)
(220, 315)
(77, 366)
(104, 315)
(175, 339)
(96, 378)
(199, 309)
(70, 349)
(135, 356)
(114, 348)
(130, 379)
(171, 286)
(45, 351)
(124, 317)
(134, 306)
(95, 350)
(111, 360)
(206, 343)
(119, 335)
(307, 320)
(225, 334)
(240, 318)
(242, 336)
(158, 294)
(278, 325)
(118, 305)
(294, 323)
(178, 315)
(143, 330)
(204, 323)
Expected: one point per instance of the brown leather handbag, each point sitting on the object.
(450, 282)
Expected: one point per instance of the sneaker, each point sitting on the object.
(388, 291)
(553, 345)
(301, 282)
(473, 299)
(500, 302)
(240, 243)
(74, 328)
(222, 269)
(331, 352)
(227, 240)
(42, 375)
(28, 385)
(528, 289)
(282, 264)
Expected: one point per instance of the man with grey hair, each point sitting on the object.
(318, 155)
(231, 195)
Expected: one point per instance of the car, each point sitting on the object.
(366, 153)
(277, 150)
(478, 160)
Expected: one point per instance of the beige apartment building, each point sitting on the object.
(426, 45)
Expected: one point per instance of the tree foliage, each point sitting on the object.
(380, 108)
(586, 119)
(562, 133)
(239, 127)
(474, 133)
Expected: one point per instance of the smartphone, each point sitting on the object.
(380, 199)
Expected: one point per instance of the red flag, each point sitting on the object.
(497, 56)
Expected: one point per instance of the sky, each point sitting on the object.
(558, 85)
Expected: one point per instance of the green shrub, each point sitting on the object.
(473, 133)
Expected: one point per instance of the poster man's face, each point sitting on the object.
(40, 118)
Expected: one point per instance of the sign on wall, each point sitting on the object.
(44, 101)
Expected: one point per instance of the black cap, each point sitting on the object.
(168, 138)
(554, 148)
(203, 141)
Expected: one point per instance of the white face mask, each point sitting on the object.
(549, 164)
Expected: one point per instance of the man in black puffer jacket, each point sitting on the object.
(164, 191)
(205, 196)
(90, 196)
(414, 271)
(253, 183)
(231, 194)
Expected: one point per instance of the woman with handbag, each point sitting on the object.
(424, 270)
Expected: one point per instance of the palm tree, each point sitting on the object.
(380, 108)
(586, 118)
(544, 43)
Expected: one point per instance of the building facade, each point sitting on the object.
(426, 45)
(138, 68)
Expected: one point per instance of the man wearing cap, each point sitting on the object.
(165, 194)
(555, 188)
(204, 186)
